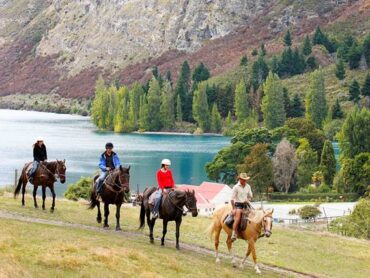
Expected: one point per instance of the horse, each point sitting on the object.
(171, 209)
(45, 176)
(116, 185)
(257, 220)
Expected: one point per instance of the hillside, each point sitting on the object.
(61, 47)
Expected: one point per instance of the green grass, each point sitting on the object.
(322, 254)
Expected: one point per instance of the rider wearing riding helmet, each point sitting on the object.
(109, 161)
(165, 182)
(39, 156)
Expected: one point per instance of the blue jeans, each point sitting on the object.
(158, 198)
(100, 181)
(35, 165)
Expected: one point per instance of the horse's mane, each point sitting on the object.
(256, 216)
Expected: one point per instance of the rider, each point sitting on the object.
(108, 161)
(240, 199)
(39, 156)
(165, 182)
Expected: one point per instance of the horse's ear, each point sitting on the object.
(64, 161)
(193, 192)
(128, 169)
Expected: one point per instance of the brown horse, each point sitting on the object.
(45, 176)
(115, 186)
(171, 209)
(258, 220)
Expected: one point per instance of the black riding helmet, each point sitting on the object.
(109, 145)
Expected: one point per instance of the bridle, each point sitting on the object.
(265, 230)
(121, 185)
(57, 173)
(194, 209)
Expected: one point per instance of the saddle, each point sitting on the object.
(229, 221)
(151, 199)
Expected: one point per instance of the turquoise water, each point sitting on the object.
(75, 139)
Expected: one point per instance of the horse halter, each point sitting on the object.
(178, 207)
(121, 185)
(57, 173)
(266, 232)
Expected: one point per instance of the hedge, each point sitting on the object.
(325, 197)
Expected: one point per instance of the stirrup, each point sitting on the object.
(154, 215)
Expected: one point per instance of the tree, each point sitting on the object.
(336, 111)
(354, 137)
(328, 163)
(216, 121)
(200, 110)
(307, 47)
(169, 77)
(259, 166)
(167, 108)
(307, 162)
(183, 90)
(241, 104)
(340, 71)
(320, 38)
(200, 73)
(178, 109)
(354, 91)
(273, 102)
(288, 39)
(135, 94)
(263, 49)
(316, 108)
(298, 62)
(366, 49)
(311, 63)
(284, 165)
(243, 61)
(99, 107)
(260, 71)
(275, 65)
(365, 91)
(286, 62)
(254, 52)
(354, 56)
(154, 104)
(144, 113)
(295, 108)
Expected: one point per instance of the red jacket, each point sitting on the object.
(165, 179)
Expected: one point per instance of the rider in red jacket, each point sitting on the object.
(165, 181)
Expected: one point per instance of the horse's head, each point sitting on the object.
(267, 222)
(61, 170)
(191, 202)
(123, 178)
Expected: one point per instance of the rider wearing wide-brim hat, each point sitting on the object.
(240, 199)
(108, 161)
(165, 182)
(39, 156)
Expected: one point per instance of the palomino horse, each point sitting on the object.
(115, 186)
(258, 220)
(44, 176)
(171, 209)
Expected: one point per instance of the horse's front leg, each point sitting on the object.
(23, 191)
(118, 214)
(150, 223)
(246, 256)
(98, 217)
(106, 214)
(254, 256)
(178, 223)
(53, 194)
(229, 243)
(43, 197)
(164, 232)
(34, 196)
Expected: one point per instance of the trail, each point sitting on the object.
(285, 272)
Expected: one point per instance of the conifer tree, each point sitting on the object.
(144, 113)
(288, 39)
(254, 52)
(135, 93)
(273, 102)
(354, 91)
(200, 110)
(275, 65)
(307, 47)
(167, 108)
(296, 108)
(154, 103)
(298, 62)
(286, 62)
(243, 61)
(340, 71)
(263, 49)
(259, 72)
(178, 109)
(328, 163)
(241, 104)
(337, 112)
(286, 101)
(200, 73)
(316, 107)
(366, 49)
(365, 91)
(183, 90)
(169, 77)
(216, 121)
(354, 56)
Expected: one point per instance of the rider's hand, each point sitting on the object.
(107, 168)
(164, 190)
(233, 212)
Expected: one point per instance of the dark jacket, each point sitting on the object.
(39, 153)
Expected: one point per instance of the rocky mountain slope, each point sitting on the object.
(61, 46)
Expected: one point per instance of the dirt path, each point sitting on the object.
(285, 272)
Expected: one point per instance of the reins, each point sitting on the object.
(178, 207)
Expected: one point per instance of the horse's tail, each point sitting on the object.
(93, 201)
(211, 229)
(18, 188)
(142, 215)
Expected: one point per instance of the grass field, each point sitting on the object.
(321, 254)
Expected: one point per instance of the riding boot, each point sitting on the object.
(234, 235)
(156, 208)
(99, 190)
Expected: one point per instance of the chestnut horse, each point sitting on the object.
(45, 176)
(258, 220)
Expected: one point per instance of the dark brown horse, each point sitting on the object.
(171, 209)
(115, 186)
(45, 176)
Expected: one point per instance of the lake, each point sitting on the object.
(77, 140)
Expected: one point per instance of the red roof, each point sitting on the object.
(205, 192)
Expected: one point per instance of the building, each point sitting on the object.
(209, 196)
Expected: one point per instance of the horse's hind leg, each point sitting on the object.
(229, 243)
(118, 215)
(164, 232)
(98, 217)
(246, 256)
(43, 197)
(23, 191)
(254, 256)
(217, 242)
(53, 194)
(178, 223)
(106, 214)
(150, 223)
(34, 196)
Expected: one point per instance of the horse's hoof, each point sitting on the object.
(152, 241)
(118, 229)
(98, 220)
(177, 247)
(36, 207)
(51, 210)
(106, 227)
(162, 243)
(218, 260)
(241, 266)
(43, 208)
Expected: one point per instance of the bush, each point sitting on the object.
(79, 190)
(357, 224)
(309, 212)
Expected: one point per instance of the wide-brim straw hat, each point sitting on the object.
(244, 176)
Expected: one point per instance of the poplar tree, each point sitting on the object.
(273, 102)
(200, 110)
(178, 109)
(99, 106)
(241, 105)
(328, 163)
(144, 113)
(167, 108)
(307, 162)
(316, 107)
(154, 103)
(216, 121)
(135, 93)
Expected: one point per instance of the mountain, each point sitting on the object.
(60, 47)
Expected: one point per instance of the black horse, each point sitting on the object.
(171, 209)
(116, 185)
